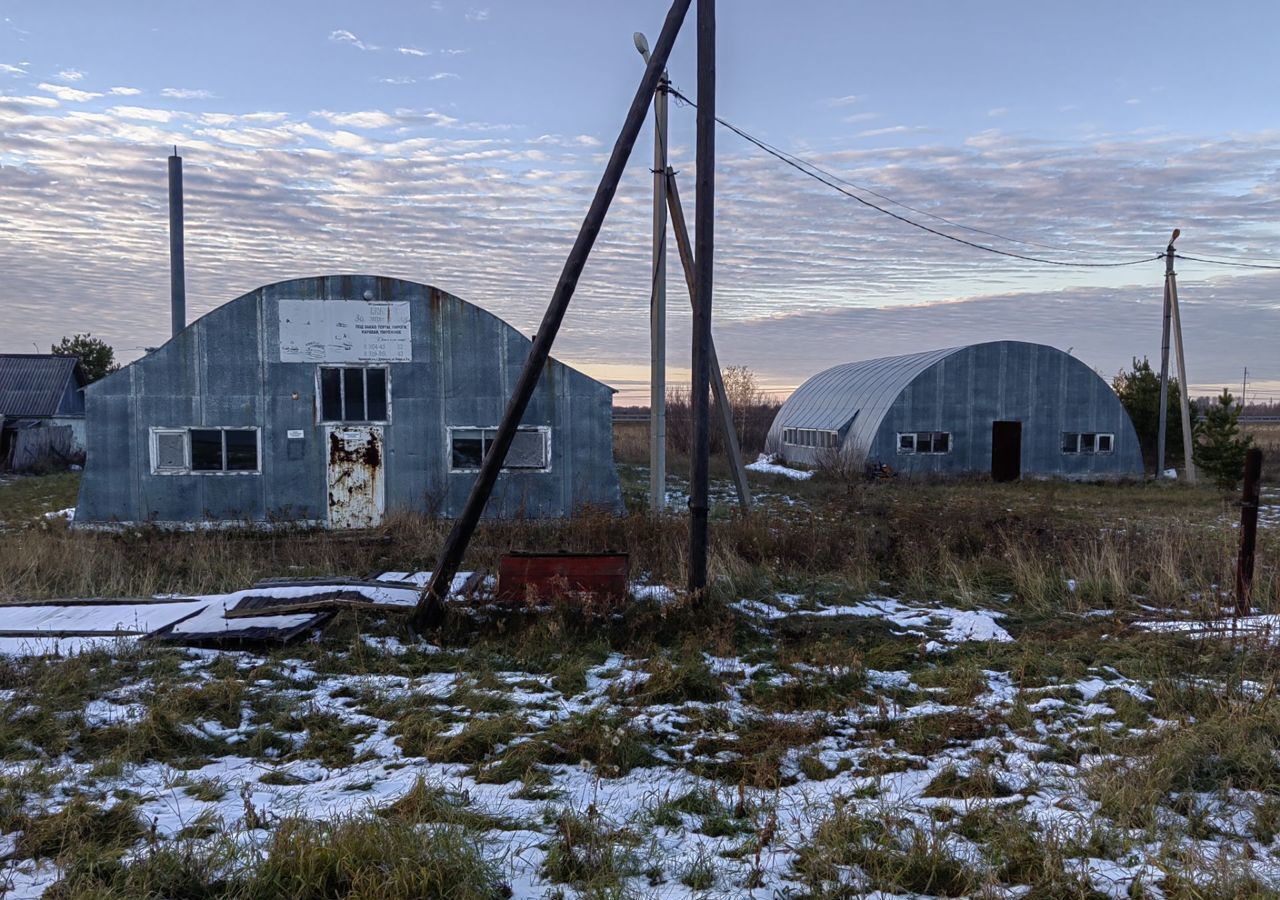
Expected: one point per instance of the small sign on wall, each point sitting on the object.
(344, 331)
(296, 434)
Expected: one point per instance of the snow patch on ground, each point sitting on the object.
(766, 464)
(951, 625)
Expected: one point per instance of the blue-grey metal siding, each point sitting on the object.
(225, 370)
(962, 391)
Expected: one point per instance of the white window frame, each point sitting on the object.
(544, 430)
(156, 468)
(185, 431)
(1078, 440)
(914, 436)
(342, 395)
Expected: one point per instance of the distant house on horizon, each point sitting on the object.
(40, 390)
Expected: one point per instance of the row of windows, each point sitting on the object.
(176, 451)
(940, 442)
(810, 437)
(181, 451)
(924, 441)
(1087, 442)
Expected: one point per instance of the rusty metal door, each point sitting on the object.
(356, 486)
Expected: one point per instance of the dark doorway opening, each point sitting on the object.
(1006, 451)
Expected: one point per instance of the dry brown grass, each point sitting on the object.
(961, 541)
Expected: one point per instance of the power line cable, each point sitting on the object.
(798, 166)
(1217, 262)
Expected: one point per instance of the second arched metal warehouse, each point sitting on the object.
(1008, 408)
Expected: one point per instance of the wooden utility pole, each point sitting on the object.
(1184, 389)
(1249, 501)
(430, 603)
(658, 298)
(1164, 357)
(717, 378)
(704, 256)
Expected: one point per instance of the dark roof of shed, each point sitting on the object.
(33, 384)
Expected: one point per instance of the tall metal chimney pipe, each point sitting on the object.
(177, 265)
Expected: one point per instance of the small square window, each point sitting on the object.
(1070, 442)
(906, 443)
(331, 395)
(467, 449)
(206, 450)
(171, 451)
(1105, 443)
(528, 451)
(1087, 443)
(376, 389)
(941, 442)
(242, 450)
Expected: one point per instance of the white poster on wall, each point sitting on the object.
(342, 331)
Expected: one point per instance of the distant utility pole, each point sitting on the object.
(1172, 322)
(1164, 356)
(1244, 385)
(431, 600)
(685, 249)
(658, 297)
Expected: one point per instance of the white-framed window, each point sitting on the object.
(197, 450)
(353, 394)
(924, 442)
(811, 437)
(1074, 442)
(530, 449)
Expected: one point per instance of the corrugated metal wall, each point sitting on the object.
(225, 369)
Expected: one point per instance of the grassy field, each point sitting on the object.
(933, 689)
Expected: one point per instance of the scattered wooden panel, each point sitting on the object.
(265, 604)
(464, 585)
(211, 627)
(88, 618)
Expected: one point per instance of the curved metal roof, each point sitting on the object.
(859, 393)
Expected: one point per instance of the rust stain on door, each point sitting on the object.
(355, 476)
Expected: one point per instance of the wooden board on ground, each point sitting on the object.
(85, 619)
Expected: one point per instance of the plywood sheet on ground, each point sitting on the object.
(87, 619)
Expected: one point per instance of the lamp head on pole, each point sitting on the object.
(1176, 233)
(642, 44)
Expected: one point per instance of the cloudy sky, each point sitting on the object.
(459, 144)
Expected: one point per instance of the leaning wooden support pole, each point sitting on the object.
(704, 258)
(681, 230)
(433, 596)
(1184, 389)
(1249, 501)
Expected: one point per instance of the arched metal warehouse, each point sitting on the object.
(332, 400)
(1007, 408)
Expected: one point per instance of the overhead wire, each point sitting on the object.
(1223, 262)
(817, 174)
